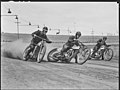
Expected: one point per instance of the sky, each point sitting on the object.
(99, 17)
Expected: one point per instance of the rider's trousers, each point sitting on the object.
(95, 49)
(65, 48)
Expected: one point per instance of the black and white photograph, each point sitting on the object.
(59, 45)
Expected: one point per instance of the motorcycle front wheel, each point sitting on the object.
(51, 55)
(41, 53)
(83, 56)
(108, 54)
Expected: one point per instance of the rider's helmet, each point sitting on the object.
(104, 38)
(45, 29)
(78, 34)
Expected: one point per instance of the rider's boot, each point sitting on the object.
(27, 53)
(30, 50)
(62, 55)
(93, 54)
(102, 57)
(76, 59)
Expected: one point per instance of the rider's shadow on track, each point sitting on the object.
(59, 62)
(95, 60)
(32, 60)
(45, 61)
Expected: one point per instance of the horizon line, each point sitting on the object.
(57, 34)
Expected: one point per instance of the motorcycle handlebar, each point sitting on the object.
(43, 39)
(84, 46)
(108, 45)
(81, 43)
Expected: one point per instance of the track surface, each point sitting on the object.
(94, 74)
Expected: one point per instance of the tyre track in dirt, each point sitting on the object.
(77, 73)
(17, 74)
(47, 75)
(96, 69)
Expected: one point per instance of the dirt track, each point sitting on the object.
(94, 74)
(18, 74)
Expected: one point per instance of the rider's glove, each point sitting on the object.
(49, 41)
(108, 45)
(34, 35)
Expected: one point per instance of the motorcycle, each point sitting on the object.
(38, 52)
(105, 53)
(81, 52)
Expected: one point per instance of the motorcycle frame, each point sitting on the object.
(40, 44)
(101, 50)
(75, 52)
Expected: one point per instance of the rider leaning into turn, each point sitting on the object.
(73, 40)
(36, 40)
(100, 42)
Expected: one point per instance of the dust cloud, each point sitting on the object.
(14, 49)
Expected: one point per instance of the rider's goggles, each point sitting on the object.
(45, 31)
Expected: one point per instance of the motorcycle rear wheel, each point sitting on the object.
(50, 56)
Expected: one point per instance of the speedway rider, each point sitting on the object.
(100, 42)
(73, 40)
(36, 40)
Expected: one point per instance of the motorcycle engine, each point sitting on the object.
(69, 53)
(102, 47)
